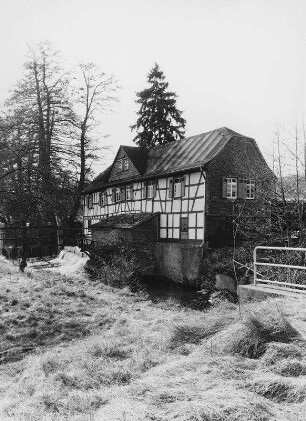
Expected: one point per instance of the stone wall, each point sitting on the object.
(239, 159)
(112, 236)
(179, 262)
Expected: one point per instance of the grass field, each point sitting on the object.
(74, 349)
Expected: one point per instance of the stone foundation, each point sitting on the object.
(179, 262)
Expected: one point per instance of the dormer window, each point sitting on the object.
(125, 164)
(119, 165)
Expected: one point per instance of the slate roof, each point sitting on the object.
(180, 155)
(138, 156)
(100, 180)
(123, 221)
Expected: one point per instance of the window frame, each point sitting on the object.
(128, 193)
(90, 201)
(230, 182)
(118, 194)
(184, 233)
(150, 189)
(250, 188)
(103, 199)
(125, 164)
(119, 165)
(177, 187)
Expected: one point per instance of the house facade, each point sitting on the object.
(193, 185)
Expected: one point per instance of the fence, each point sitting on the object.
(37, 241)
(278, 265)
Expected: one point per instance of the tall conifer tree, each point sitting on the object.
(159, 121)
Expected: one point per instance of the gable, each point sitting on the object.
(241, 156)
(119, 170)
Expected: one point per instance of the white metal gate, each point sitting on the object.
(297, 287)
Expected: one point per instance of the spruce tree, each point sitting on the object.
(159, 121)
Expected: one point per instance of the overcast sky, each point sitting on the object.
(233, 63)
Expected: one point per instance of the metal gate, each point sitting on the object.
(257, 264)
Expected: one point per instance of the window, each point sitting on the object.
(250, 189)
(144, 190)
(90, 201)
(184, 228)
(125, 164)
(118, 194)
(129, 192)
(229, 189)
(103, 198)
(150, 189)
(242, 189)
(177, 187)
(119, 165)
(89, 224)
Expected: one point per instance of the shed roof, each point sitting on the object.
(124, 221)
(173, 157)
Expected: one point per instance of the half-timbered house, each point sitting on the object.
(191, 184)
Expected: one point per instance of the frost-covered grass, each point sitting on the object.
(105, 354)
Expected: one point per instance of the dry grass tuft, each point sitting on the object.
(236, 412)
(250, 339)
(279, 351)
(279, 390)
(212, 323)
(290, 368)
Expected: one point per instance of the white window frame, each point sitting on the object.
(129, 192)
(125, 164)
(177, 187)
(231, 188)
(150, 189)
(250, 189)
(118, 194)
